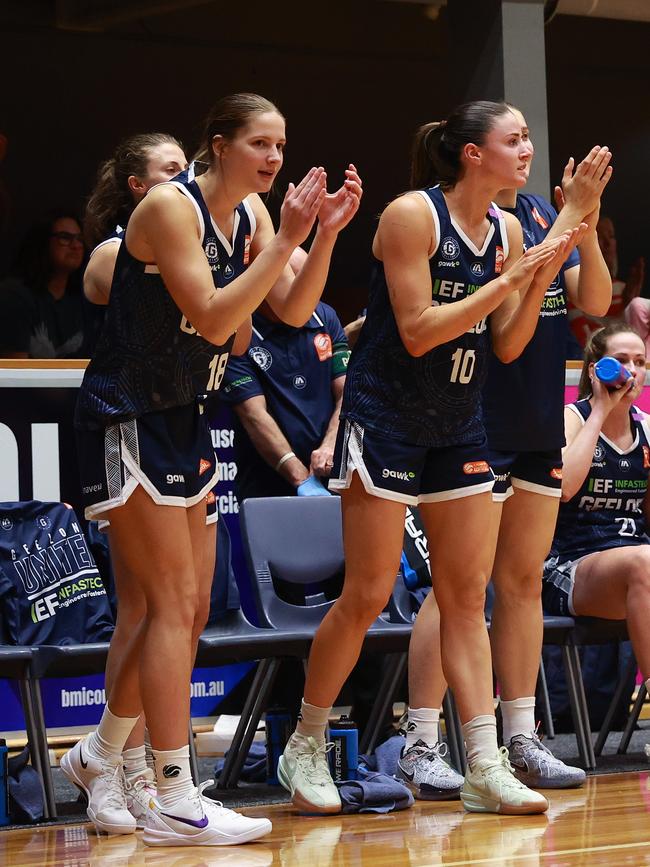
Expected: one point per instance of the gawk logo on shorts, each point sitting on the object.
(204, 466)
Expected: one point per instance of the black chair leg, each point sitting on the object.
(393, 676)
(33, 739)
(39, 716)
(256, 699)
(545, 702)
(606, 727)
(578, 701)
(455, 740)
(194, 764)
(631, 720)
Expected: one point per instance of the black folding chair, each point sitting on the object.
(297, 542)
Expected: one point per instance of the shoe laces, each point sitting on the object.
(113, 777)
(313, 761)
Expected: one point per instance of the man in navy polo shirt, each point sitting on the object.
(286, 395)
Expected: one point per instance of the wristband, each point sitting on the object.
(283, 460)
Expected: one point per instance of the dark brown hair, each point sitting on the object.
(111, 202)
(437, 146)
(228, 116)
(596, 348)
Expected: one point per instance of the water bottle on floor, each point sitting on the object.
(344, 755)
(278, 732)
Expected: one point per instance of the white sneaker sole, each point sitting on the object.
(101, 826)
(209, 837)
(300, 802)
(478, 802)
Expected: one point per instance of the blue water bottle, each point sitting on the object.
(344, 755)
(611, 372)
(278, 732)
(4, 783)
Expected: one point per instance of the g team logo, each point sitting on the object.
(477, 269)
(449, 248)
(499, 259)
(262, 357)
(43, 522)
(599, 452)
(212, 251)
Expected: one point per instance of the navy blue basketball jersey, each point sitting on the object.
(50, 589)
(606, 511)
(95, 314)
(523, 402)
(149, 357)
(433, 400)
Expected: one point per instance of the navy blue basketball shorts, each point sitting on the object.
(407, 473)
(557, 587)
(169, 453)
(539, 472)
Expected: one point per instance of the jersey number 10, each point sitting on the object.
(464, 361)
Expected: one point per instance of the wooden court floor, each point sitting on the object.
(606, 822)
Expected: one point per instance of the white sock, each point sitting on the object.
(312, 721)
(108, 739)
(135, 764)
(173, 776)
(518, 717)
(422, 724)
(480, 736)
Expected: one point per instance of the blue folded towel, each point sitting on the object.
(385, 757)
(373, 793)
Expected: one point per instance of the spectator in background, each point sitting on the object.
(286, 396)
(626, 302)
(41, 302)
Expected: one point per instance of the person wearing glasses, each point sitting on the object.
(41, 301)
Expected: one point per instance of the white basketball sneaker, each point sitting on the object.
(198, 821)
(139, 793)
(103, 784)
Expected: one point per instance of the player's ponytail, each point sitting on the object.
(596, 348)
(111, 201)
(438, 147)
